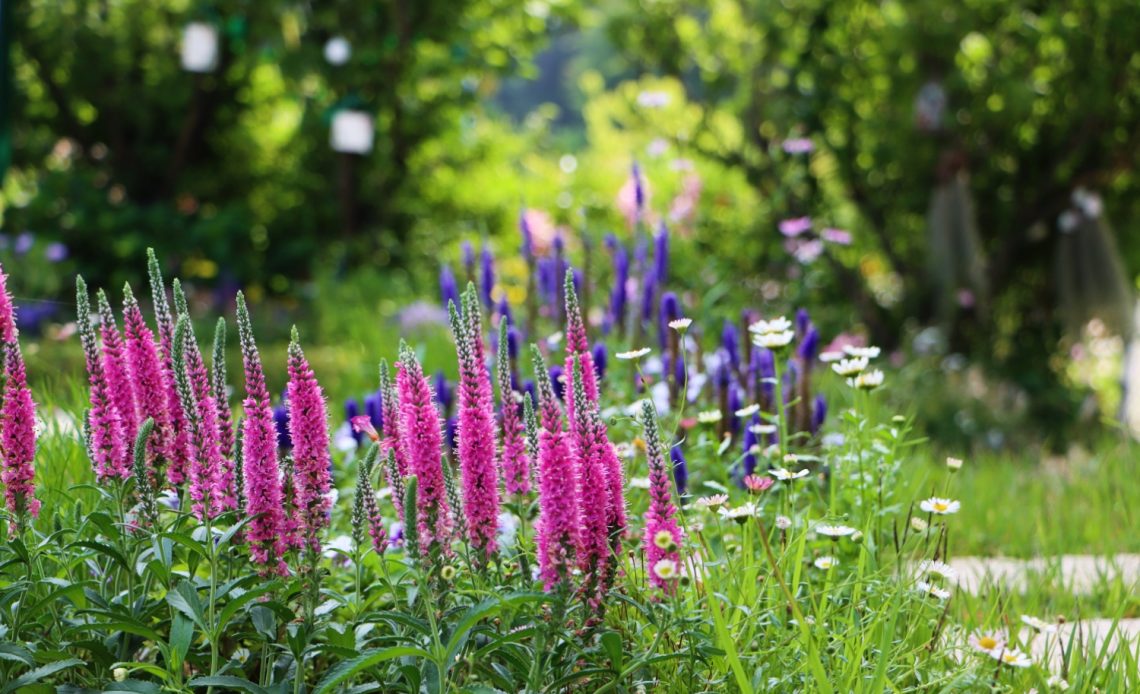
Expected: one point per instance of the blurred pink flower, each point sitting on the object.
(684, 207)
(795, 226)
(807, 252)
(627, 199)
(542, 230)
(798, 145)
(836, 236)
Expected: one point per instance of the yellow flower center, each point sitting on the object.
(988, 642)
(940, 506)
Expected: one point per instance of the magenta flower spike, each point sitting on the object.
(105, 443)
(145, 369)
(8, 331)
(227, 476)
(18, 440)
(178, 442)
(117, 370)
(309, 430)
(422, 442)
(207, 492)
(662, 534)
(476, 430)
(390, 426)
(557, 527)
(593, 517)
(578, 356)
(514, 461)
(266, 532)
(578, 348)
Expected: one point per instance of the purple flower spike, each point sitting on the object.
(661, 255)
(448, 289)
(487, 278)
(818, 414)
(680, 469)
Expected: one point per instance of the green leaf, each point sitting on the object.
(237, 603)
(239, 683)
(133, 686)
(34, 676)
(349, 668)
(185, 599)
(17, 653)
(611, 643)
(264, 621)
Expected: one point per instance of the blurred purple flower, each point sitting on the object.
(798, 145)
(795, 226)
(55, 252)
(837, 236)
(24, 243)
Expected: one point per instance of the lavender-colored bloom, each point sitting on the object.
(487, 278)
(374, 409)
(749, 442)
(468, 261)
(723, 375)
(450, 432)
(24, 243)
(448, 289)
(680, 469)
(443, 391)
(281, 421)
(818, 414)
(808, 347)
(679, 371)
(578, 281)
(641, 254)
(55, 252)
(661, 255)
(618, 295)
(648, 291)
(802, 322)
(600, 359)
(514, 337)
(670, 311)
(766, 370)
(557, 380)
(527, 237)
(638, 189)
(730, 343)
(734, 403)
(352, 411)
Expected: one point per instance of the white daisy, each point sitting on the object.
(868, 380)
(763, 429)
(680, 324)
(850, 367)
(937, 568)
(939, 506)
(712, 501)
(986, 642)
(747, 411)
(787, 475)
(664, 540)
(776, 325)
(665, 569)
(773, 341)
(931, 589)
(825, 563)
(1038, 624)
(783, 522)
(830, 356)
(1057, 682)
(954, 464)
(709, 416)
(871, 352)
(1011, 657)
(740, 513)
(633, 354)
(639, 482)
(834, 531)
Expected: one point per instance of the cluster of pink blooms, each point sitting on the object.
(662, 534)
(17, 422)
(135, 377)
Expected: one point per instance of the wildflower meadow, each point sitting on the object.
(683, 507)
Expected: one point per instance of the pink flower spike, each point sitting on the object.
(476, 430)
(106, 444)
(8, 331)
(266, 533)
(514, 460)
(839, 237)
(593, 518)
(18, 441)
(422, 442)
(309, 430)
(662, 534)
(796, 226)
(145, 368)
(117, 371)
(206, 489)
(557, 528)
